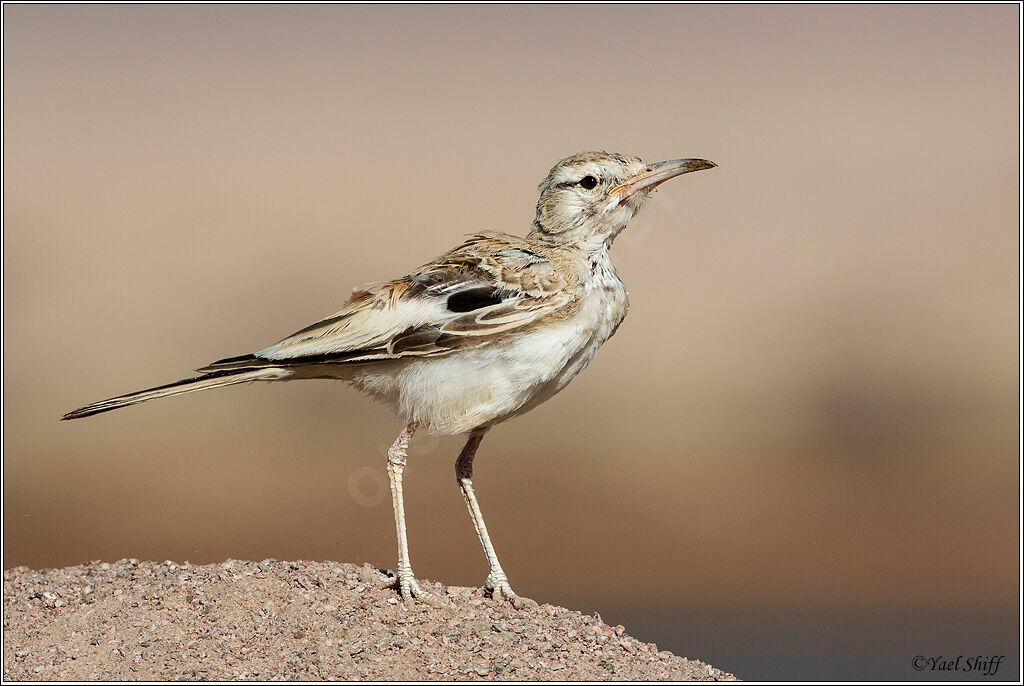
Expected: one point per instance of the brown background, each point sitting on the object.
(797, 458)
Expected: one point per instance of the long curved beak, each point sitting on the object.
(655, 174)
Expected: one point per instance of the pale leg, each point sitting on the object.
(406, 582)
(497, 582)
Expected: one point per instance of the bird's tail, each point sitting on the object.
(214, 379)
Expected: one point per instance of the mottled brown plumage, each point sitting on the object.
(492, 285)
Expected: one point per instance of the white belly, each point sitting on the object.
(486, 385)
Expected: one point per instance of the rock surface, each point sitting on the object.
(297, 620)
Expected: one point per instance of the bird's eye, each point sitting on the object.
(588, 182)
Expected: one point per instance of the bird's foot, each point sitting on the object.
(410, 589)
(497, 585)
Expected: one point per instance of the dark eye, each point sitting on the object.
(588, 182)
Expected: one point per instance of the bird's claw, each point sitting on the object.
(497, 585)
(410, 590)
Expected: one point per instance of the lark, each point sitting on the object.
(482, 334)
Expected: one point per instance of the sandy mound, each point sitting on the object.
(297, 620)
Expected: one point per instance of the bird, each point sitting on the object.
(482, 334)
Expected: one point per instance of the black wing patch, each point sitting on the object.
(473, 299)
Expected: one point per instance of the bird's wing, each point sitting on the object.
(479, 292)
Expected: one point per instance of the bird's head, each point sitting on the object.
(588, 198)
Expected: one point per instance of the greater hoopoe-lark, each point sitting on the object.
(482, 334)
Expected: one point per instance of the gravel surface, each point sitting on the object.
(298, 620)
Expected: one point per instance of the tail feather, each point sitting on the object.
(216, 379)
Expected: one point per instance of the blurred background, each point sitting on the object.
(798, 458)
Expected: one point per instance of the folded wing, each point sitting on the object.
(478, 293)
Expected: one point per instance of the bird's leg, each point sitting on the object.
(406, 582)
(497, 582)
